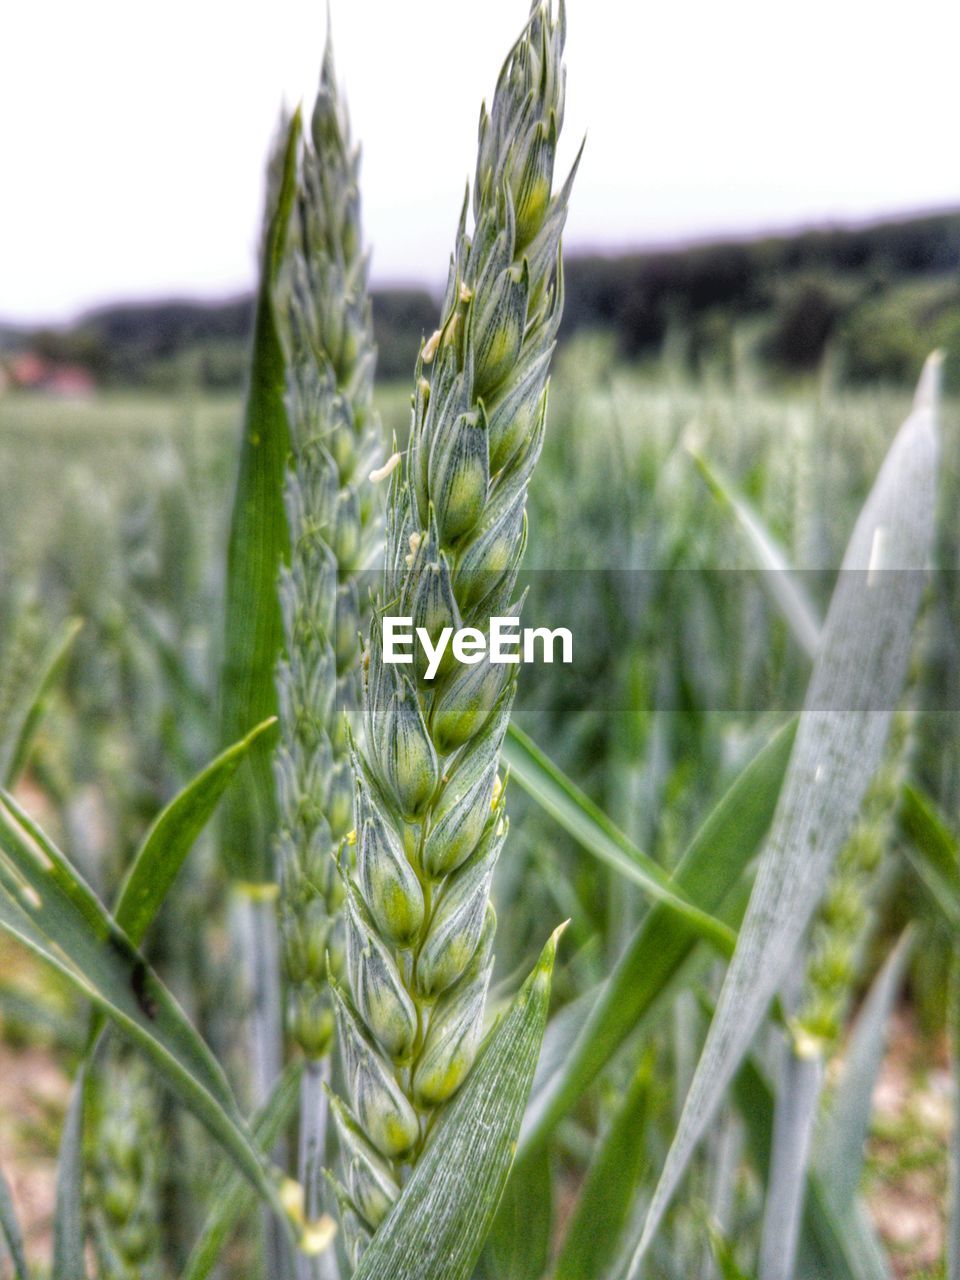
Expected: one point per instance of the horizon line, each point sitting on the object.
(679, 245)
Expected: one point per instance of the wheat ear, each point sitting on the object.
(429, 806)
(324, 314)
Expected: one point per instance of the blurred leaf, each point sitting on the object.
(518, 1247)
(777, 576)
(856, 682)
(171, 658)
(172, 836)
(794, 1115)
(230, 1196)
(16, 735)
(45, 904)
(562, 1030)
(840, 1150)
(40, 1019)
(723, 1254)
(709, 870)
(594, 831)
(437, 1228)
(953, 1191)
(604, 1205)
(68, 1217)
(259, 543)
(843, 1245)
(933, 851)
(10, 1231)
(853, 1246)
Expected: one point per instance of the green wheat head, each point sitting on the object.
(429, 807)
(325, 317)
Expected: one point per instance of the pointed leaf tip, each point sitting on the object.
(927, 394)
(549, 953)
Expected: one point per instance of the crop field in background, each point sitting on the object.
(115, 510)
(118, 451)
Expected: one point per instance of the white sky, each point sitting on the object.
(133, 135)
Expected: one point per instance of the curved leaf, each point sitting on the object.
(45, 904)
(171, 838)
(16, 736)
(777, 576)
(593, 830)
(856, 681)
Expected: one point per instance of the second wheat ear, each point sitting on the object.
(324, 313)
(429, 810)
(325, 318)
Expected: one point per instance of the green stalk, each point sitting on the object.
(259, 926)
(311, 1160)
(795, 1112)
(256, 918)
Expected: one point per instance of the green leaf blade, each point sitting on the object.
(604, 1205)
(17, 736)
(776, 574)
(864, 651)
(589, 825)
(172, 836)
(839, 1153)
(840, 1242)
(518, 1247)
(258, 545)
(46, 905)
(709, 870)
(933, 851)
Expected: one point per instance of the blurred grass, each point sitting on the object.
(116, 508)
